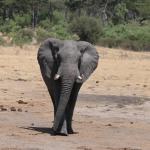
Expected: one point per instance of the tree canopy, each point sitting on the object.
(76, 19)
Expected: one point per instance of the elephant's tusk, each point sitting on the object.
(79, 77)
(57, 76)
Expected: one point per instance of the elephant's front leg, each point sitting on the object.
(63, 127)
(71, 106)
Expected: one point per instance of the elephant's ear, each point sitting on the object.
(89, 59)
(47, 55)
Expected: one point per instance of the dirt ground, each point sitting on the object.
(112, 112)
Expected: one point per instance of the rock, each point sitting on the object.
(97, 81)
(144, 85)
(1, 106)
(84, 148)
(20, 79)
(109, 125)
(12, 108)
(19, 109)
(120, 106)
(32, 124)
(21, 102)
(3, 109)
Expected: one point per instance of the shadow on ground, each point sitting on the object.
(113, 99)
(41, 130)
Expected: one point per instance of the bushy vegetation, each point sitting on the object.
(2, 41)
(129, 36)
(87, 28)
(113, 23)
(22, 36)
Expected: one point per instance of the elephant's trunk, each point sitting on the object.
(66, 87)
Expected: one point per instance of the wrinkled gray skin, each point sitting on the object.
(65, 65)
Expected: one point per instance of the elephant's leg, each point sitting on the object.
(54, 91)
(71, 106)
(49, 86)
(53, 100)
(62, 129)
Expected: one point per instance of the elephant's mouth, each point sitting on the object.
(72, 72)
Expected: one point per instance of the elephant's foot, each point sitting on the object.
(70, 131)
(63, 132)
(60, 133)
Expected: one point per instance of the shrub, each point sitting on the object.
(9, 26)
(56, 30)
(13, 25)
(45, 24)
(23, 20)
(42, 34)
(120, 11)
(2, 41)
(87, 28)
(61, 32)
(21, 37)
(58, 18)
(130, 36)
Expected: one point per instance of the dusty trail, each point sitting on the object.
(112, 111)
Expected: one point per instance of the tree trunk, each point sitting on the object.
(4, 13)
(34, 15)
(50, 11)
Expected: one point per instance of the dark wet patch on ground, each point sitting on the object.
(113, 99)
(124, 148)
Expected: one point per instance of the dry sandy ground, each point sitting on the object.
(112, 112)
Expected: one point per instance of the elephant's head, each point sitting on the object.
(72, 61)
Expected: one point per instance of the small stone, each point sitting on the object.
(97, 81)
(144, 85)
(108, 109)
(84, 148)
(3, 109)
(19, 109)
(21, 102)
(13, 109)
(120, 105)
(109, 125)
(1, 106)
(32, 124)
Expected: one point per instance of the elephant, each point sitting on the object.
(65, 65)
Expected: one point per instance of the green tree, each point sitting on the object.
(87, 28)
